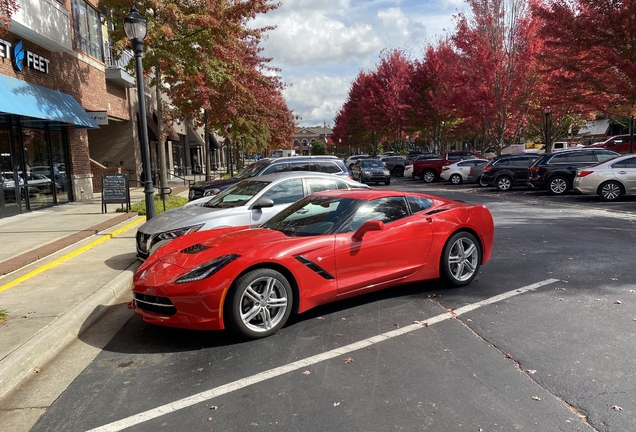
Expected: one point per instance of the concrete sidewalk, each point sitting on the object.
(60, 269)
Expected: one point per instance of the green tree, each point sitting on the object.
(318, 148)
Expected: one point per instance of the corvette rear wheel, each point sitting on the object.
(460, 259)
(258, 303)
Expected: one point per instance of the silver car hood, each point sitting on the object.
(183, 217)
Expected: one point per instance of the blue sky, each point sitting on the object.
(321, 45)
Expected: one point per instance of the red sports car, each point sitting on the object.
(325, 247)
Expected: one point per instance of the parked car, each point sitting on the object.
(429, 170)
(557, 146)
(610, 180)
(474, 176)
(250, 202)
(327, 246)
(370, 170)
(618, 143)
(556, 171)
(395, 164)
(324, 164)
(457, 173)
(352, 160)
(504, 172)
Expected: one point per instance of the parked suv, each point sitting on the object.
(618, 143)
(504, 172)
(395, 164)
(556, 171)
(324, 164)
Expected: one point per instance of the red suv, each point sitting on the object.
(618, 143)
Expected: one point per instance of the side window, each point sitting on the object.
(274, 168)
(560, 158)
(88, 29)
(386, 210)
(503, 162)
(521, 162)
(319, 185)
(581, 157)
(625, 163)
(418, 204)
(286, 192)
(328, 167)
(604, 156)
(300, 166)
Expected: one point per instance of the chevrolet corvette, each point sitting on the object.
(325, 247)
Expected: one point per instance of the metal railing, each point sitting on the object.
(111, 60)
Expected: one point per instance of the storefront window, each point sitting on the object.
(62, 179)
(37, 176)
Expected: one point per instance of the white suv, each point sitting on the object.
(352, 160)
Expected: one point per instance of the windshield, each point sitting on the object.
(236, 195)
(312, 216)
(252, 169)
(371, 163)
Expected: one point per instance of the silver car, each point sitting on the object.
(250, 202)
(610, 179)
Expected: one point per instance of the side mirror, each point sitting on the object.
(262, 203)
(371, 225)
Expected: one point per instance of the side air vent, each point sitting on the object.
(194, 249)
(315, 267)
(432, 212)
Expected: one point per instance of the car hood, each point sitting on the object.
(183, 217)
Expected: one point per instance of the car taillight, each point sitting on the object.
(472, 170)
(445, 168)
(584, 173)
(534, 169)
(486, 169)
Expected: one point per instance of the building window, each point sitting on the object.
(88, 29)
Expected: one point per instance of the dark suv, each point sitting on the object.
(556, 171)
(324, 164)
(504, 172)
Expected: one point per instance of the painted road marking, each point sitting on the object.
(309, 361)
(71, 254)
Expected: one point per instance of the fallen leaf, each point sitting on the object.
(338, 334)
(617, 408)
(322, 318)
(570, 258)
(416, 322)
(396, 325)
(348, 360)
(432, 295)
(564, 281)
(634, 291)
(560, 299)
(618, 302)
(498, 313)
(306, 373)
(36, 370)
(508, 356)
(200, 369)
(614, 278)
(469, 320)
(213, 407)
(336, 404)
(537, 398)
(426, 324)
(209, 418)
(343, 319)
(532, 371)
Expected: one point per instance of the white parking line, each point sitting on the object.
(273, 373)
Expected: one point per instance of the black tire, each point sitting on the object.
(504, 183)
(611, 191)
(558, 185)
(398, 171)
(456, 179)
(429, 176)
(461, 259)
(387, 182)
(246, 309)
(480, 182)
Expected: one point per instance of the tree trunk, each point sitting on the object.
(161, 135)
(206, 147)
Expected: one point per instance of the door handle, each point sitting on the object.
(622, 172)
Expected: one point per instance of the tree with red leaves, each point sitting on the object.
(8, 8)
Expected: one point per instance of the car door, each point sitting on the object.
(283, 194)
(625, 171)
(463, 168)
(381, 256)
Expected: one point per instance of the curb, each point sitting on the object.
(54, 338)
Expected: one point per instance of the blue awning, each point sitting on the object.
(31, 100)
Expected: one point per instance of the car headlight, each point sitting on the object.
(367, 172)
(166, 236)
(206, 270)
(209, 192)
(386, 172)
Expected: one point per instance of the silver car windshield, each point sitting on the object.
(251, 170)
(236, 195)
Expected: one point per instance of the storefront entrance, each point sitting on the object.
(33, 161)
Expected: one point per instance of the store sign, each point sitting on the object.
(99, 117)
(22, 58)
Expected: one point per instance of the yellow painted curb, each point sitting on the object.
(71, 254)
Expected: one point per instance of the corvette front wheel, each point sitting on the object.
(258, 303)
(460, 259)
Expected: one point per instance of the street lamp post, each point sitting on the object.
(548, 113)
(135, 27)
(229, 139)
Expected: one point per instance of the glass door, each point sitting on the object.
(11, 197)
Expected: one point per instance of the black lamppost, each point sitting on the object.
(229, 139)
(135, 28)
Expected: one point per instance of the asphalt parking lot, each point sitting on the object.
(542, 340)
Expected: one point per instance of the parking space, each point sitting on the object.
(553, 358)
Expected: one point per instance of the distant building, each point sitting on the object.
(305, 137)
